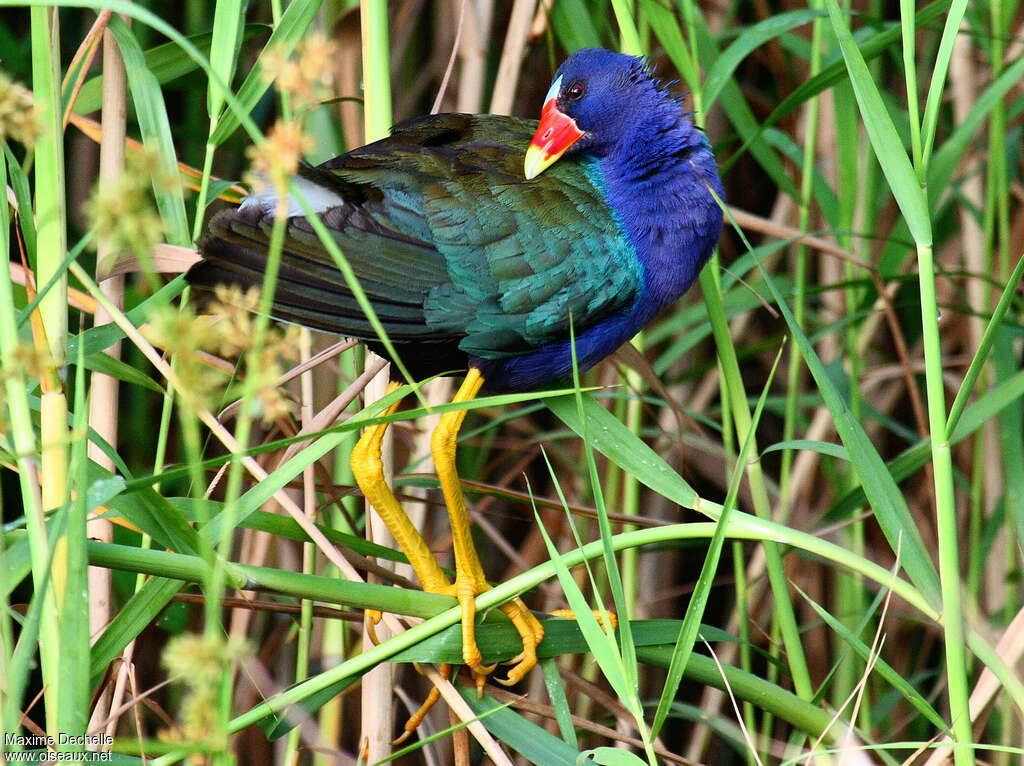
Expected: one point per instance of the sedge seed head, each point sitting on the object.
(186, 337)
(19, 118)
(277, 158)
(200, 662)
(123, 212)
(233, 313)
(31, 362)
(25, 362)
(305, 77)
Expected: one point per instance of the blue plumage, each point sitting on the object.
(654, 169)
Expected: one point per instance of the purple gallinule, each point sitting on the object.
(475, 261)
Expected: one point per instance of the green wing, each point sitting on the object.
(447, 239)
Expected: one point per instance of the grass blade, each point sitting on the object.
(526, 738)
(293, 25)
(156, 133)
(879, 487)
(880, 129)
(709, 570)
(749, 40)
(227, 28)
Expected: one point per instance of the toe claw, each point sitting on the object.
(373, 618)
(417, 718)
(480, 679)
(529, 628)
(517, 673)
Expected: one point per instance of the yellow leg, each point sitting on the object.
(469, 578)
(368, 470)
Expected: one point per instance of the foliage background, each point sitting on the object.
(841, 397)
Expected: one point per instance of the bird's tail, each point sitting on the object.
(310, 289)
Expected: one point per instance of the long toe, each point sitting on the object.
(527, 660)
(466, 593)
(606, 618)
(529, 628)
(535, 625)
(531, 632)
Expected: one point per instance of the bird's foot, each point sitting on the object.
(530, 631)
(465, 590)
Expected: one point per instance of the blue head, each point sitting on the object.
(655, 168)
(601, 102)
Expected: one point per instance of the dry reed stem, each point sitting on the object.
(104, 390)
(507, 80)
(443, 87)
(329, 414)
(473, 56)
(324, 356)
(84, 57)
(308, 494)
(773, 228)
(162, 259)
(126, 668)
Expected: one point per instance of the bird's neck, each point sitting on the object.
(658, 183)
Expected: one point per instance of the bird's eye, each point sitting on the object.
(575, 92)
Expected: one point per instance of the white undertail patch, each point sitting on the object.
(316, 196)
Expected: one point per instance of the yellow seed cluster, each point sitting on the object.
(278, 157)
(234, 313)
(228, 332)
(305, 78)
(25, 363)
(185, 337)
(30, 362)
(123, 211)
(200, 662)
(18, 118)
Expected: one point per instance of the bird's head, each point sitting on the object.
(596, 99)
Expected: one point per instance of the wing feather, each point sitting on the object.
(447, 239)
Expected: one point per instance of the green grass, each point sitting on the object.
(851, 427)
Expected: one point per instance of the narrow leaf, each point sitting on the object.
(293, 25)
(749, 40)
(882, 133)
(880, 488)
